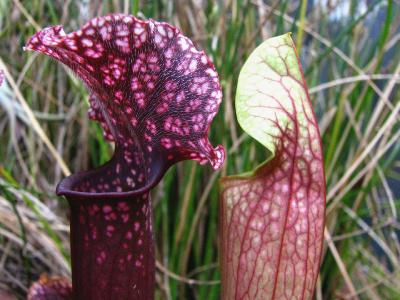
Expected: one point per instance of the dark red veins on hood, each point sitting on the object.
(152, 91)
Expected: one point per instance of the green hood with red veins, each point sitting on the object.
(273, 218)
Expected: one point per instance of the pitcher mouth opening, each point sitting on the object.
(64, 189)
(88, 184)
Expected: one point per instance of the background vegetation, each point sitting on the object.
(350, 51)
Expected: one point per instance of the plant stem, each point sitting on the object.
(112, 248)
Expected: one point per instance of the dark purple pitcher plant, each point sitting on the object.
(155, 96)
